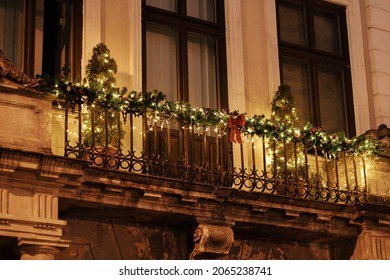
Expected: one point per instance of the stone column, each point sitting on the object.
(373, 244)
(38, 252)
(213, 239)
(40, 249)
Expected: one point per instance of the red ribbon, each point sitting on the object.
(233, 124)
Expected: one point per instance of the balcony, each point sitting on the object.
(170, 165)
(146, 134)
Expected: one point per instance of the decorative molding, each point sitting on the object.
(28, 123)
(45, 206)
(38, 252)
(18, 105)
(9, 161)
(379, 247)
(4, 201)
(46, 165)
(4, 222)
(292, 213)
(44, 226)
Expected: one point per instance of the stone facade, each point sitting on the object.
(28, 119)
(378, 32)
(60, 208)
(52, 207)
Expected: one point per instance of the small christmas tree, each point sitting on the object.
(283, 107)
(101, 69)
(101, 123)
(290, 162)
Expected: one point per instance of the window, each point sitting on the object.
(62, 37)
(11, 29)
(42, 36)
(314, 62)
(184, 50)
(184, 56)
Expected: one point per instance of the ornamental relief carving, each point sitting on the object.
(13, 76)
(212, 241)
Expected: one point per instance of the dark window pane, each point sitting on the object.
(201, 9)
(161, 60)
(292, 24)
(331, 92)
(169, 5)
(296, 74)
(327, 35)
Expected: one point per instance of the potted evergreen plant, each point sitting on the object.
(102, 133)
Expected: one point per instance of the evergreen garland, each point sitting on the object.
(99, 91)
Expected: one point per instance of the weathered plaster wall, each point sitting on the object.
(104, 238)
(107, 238)
(26, 120)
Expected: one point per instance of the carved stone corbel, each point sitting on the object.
(381, 135)
(213, 240)
(11, 74)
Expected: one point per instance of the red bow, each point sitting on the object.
(234, 123)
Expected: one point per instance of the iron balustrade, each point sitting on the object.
(155, 144)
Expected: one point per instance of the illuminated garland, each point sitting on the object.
(156, 103)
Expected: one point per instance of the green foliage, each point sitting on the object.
(290, 161)
(283, 107)
(106, 127)
(101, 125)
(101, 69)
(281, 127)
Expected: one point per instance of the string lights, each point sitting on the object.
(99, 92)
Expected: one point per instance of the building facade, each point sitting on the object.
(177, 189)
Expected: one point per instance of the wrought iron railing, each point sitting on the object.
(153, 143)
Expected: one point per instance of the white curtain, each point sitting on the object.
(202, 86)
(169, 5)
(161, 56)
(202, 9)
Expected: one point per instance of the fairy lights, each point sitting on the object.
(99, 92)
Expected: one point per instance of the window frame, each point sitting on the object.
(30, 40)
(316, 56)
(184, 24)
(74, 53)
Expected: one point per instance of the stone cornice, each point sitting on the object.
(44, 165)
(120, 194)
(160, 197)
(24, 91)
(46, 231)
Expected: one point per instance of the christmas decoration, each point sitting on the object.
(291, 160)
(283, 110)
(281, 127)
(234, 123)
(101, 125)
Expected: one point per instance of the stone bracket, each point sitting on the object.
(212, 239)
